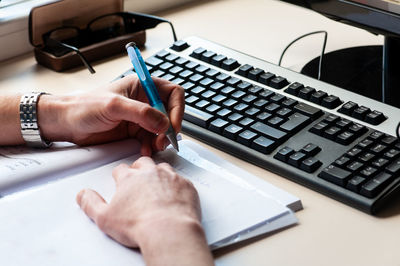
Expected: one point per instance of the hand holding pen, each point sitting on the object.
(150, 88)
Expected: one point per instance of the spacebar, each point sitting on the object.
(197, 116)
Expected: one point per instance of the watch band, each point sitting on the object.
(29, 121)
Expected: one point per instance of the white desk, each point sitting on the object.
(329, 233)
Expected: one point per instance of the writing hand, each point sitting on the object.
(117, 111)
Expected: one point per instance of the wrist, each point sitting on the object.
(52, 118)
(169, 235)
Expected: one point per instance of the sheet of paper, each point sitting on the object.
(22, 167)
(44, 225)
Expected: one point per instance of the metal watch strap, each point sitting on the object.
(29, 120)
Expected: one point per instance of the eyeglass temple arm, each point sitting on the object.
(151, 21)
(82, 57)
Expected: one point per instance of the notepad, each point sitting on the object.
(44, 226)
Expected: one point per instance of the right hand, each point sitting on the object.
(147, 196)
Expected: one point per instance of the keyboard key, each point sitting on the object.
(335, 175)
(245, 122)
(213, 108)
(206, 56)
(375, 117)
(154, 61)
(255, 73)
(246, 137)
(244, 70)
(202, 104)
(311, 149)
(345, 138)
(230, 64)
(284, 154)
(317, 96)
(191, 65)
(296, 158)
(310, 164)
(162, 54)
(171, 57)
(235, 117)
(331, 102)
(295, 123)
(263, 145)
(269, 131)
(306, 92)
(355, 183)
(265, 78)
(294, 88)
(348, 108)
(179, 45)
(232, 131)
(217, 60)
(375, 185)
(308, 110)
(361, 112)
(197, 116)
(218, 125)
(198, 52)
(181, 61)
(319, 128)
(191, 100)
(278, 82)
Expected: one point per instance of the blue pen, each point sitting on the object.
(149, 87)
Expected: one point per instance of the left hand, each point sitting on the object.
(117, 111)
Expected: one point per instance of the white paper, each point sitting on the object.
(44, 226)
(22, 167)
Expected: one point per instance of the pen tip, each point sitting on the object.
(131, 44)
(174, 142)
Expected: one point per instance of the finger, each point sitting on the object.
(92, 204)
(160, 142)
(120, 108)
(145, 138)
(174, 96)
(144, 162)
(120, 172)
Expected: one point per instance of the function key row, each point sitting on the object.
(215, 59)
(259, 75)
(362, 113)
(368, 167)
(311, 94)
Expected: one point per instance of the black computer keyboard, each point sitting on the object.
(333, 141)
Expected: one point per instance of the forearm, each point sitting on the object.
(10, 133)
(50, 123)
(173, 243)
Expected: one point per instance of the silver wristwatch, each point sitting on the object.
(29, 121)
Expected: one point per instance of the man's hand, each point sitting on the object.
(154, 209)
(119, 110)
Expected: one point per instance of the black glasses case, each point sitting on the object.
(79, 13)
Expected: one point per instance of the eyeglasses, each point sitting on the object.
(66, 39)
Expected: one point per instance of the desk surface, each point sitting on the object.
(328, 233)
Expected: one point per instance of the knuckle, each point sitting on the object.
(102, 220)
(113, 104)
(145, 111)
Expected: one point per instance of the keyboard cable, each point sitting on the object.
(301, 37)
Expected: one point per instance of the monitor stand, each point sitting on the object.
(372, 71)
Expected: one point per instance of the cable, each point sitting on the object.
(305, 35)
